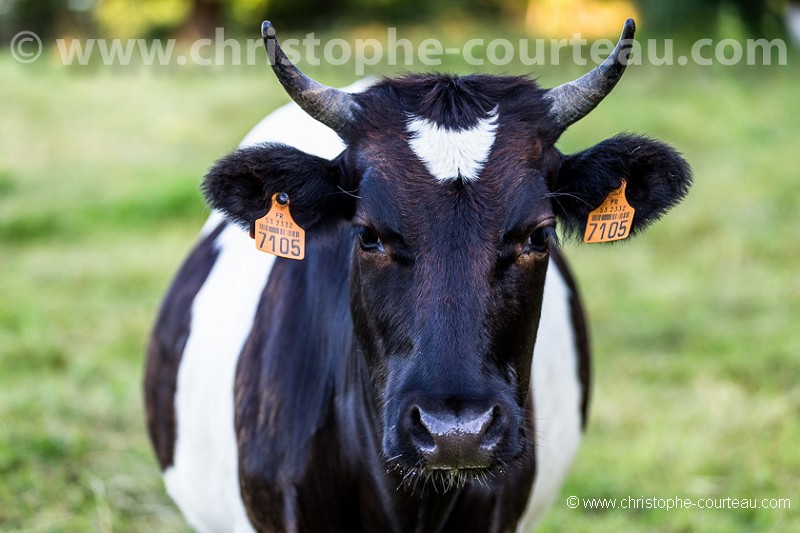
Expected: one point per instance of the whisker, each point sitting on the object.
(349, 193)
(556, 194)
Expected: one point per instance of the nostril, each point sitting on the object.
(419, 432)
(494, 429)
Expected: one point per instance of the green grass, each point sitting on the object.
(694, 324)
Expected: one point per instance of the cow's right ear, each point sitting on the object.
(657, 178)
(242, 183)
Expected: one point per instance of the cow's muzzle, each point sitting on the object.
(454, 441)
(454, 435)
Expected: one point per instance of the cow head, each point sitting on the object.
(453, 187)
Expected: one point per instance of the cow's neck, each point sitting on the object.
(305, 415)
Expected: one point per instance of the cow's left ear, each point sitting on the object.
(657, 179)
(242, 183)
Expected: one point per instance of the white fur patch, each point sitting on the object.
(453, 154)
(556, 398)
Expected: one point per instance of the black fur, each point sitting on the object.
(657, 179)
(452, 101)
(455, 102)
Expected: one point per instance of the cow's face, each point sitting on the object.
(453, 189)
(452, 231)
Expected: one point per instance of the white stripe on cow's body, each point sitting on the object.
(204, 477)
(557, 397)
(450, 154)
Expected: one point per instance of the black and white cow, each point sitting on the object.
(426, 367)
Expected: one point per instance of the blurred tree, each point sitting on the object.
(204, 16)
(40, 16)
(793, 21)
(592, 18)
(699, 17)
(190, 19)
(137, 18)
(244, 12)
(195, 18)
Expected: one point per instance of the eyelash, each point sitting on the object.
(369, 240)
(538, 241)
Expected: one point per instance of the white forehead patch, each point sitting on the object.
(453, 154)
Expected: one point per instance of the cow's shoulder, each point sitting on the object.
(168, 340)
(288, 125)
(196, 342)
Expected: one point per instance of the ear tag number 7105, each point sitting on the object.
(612, 220)
(277, 233)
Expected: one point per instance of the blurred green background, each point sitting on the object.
(695, 323)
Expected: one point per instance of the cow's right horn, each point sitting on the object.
(332, 107)
(574, 100)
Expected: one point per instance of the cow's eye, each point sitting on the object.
(538, 241)
(369, 240)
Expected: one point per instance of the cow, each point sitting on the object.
(425, 367)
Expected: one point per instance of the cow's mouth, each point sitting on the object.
(441, 479)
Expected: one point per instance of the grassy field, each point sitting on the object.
(695, 324)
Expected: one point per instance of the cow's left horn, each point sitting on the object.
(575, 99)
(332, 107)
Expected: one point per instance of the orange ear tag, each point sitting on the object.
(277, 233)
(612, 220)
